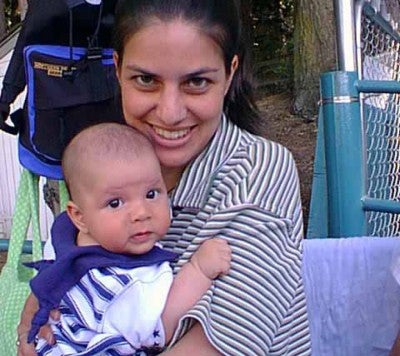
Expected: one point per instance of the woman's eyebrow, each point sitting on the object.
(200, 72)
(136, 68)
(203, 71)
(196, 73)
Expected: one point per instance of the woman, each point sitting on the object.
(183, 84)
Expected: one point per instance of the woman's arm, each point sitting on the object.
(194, 343)
(30, 308)
(396, 347)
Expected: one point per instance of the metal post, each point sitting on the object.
(345, 35)
(343, 152)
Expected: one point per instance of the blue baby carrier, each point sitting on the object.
(70, 85)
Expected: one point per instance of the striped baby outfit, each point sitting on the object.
(112, 311)
(110, 303)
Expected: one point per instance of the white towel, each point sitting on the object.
(353, 298)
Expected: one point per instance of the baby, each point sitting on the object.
(111, 280)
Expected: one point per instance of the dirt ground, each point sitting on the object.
(297, 134)
(3, 256)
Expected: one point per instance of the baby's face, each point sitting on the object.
(124, 204)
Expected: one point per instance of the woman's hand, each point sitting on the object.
(30, 308)
(23, 348)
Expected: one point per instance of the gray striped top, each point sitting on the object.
(245, 189)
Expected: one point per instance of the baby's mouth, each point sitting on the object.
(141, 236)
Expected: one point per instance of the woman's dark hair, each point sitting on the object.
(220, 20)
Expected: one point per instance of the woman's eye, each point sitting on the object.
(152, 194)
(145, 80)
(198, 83)
(114, 203)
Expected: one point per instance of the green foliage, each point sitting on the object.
(271, 33)
(11, 14)
(272, 27)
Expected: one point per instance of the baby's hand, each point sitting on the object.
(212, 258)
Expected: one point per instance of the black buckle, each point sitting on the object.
(94, 53)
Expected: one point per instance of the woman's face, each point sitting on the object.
(173, 82)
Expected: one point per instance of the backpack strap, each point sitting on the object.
(94, 52)
(73, 3)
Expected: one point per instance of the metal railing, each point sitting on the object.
(360, 109)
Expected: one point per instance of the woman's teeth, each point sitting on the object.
(171, 135)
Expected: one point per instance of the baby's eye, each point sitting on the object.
(115, 203)
(152, 194)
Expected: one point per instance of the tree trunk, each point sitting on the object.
(3, 26)
(314, 52)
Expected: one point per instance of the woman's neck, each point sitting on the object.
(171, 177)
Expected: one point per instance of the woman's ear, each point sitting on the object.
(234, 67)
(76, 216)
(116, 63)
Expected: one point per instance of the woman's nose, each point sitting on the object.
(171, 107)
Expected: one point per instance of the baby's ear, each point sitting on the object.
(76, 215)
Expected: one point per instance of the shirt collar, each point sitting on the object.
(197, 178)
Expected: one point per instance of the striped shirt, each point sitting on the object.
(245, 189)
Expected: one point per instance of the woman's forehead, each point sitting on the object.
(174, 41)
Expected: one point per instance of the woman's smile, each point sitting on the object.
(171, 134)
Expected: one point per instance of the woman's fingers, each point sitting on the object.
(23, 348)
(46, 333)
(55, 314)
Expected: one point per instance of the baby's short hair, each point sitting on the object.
(107, 140)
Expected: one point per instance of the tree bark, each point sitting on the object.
(3, 25)
(314, 52)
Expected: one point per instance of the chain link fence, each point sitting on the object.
(378, 58)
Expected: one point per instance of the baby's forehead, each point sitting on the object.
(123, 150)
(132, 168)
(111, 136)
(104, 143)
